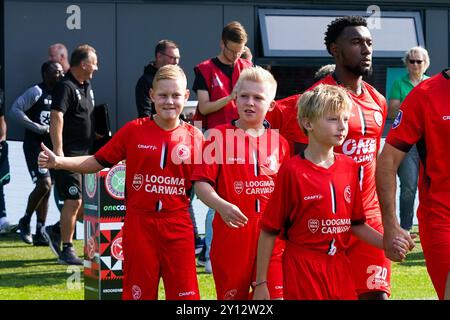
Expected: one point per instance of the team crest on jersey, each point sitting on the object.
(183, 152)
(116, 249)
(136, 292)
(230, 294)
(398, 119)
(138, 181)
(313, 225)
(238, 187)
(272, 163)
(348, 194)
(378, 118)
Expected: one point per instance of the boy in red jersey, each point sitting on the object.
(315, 205)
(159, 153)
(422, 120)
(349, 41)
(237, 182)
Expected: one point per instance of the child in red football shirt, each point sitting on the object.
(237, 181)
(315, 205)
(159, 153)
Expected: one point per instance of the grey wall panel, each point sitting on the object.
(31, 27)
(436, 40)
(245, 15)
(196, 28)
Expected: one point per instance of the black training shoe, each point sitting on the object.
(25, 231)
(201, 260)
(69, 257)
(199, 244)
(53, 239)
(39, 240)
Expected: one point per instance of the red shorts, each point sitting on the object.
(310, 275)
(233, 260)
(159, 245)
(435, 240)
(371, 268)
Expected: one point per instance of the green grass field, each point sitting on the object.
(32, 273)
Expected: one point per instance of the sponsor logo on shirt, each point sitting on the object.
(329, 226)
(238, 187)
(188, 293)
(73, 190)
(397, 120)
(138, 181)
(445, 118)
(362, 150)
(230, 294)
(313, 225)
(348, 194)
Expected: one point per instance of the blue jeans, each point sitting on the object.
(208, 231)
(408, 173)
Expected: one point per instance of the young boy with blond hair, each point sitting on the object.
(236, 180)
(159, 151)
(316, 205)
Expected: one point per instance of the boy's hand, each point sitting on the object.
(232, 216)
(46, 159)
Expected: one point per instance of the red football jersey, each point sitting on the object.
(284, 118)
(362, 143)
(248, 178)
(314, 207)
(424, 119)
(159, 163)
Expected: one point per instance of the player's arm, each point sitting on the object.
(82, 164)
(229, 212)
(394, 106)
(387, 165)
(265, 247)
(205, 106)
(56, 130)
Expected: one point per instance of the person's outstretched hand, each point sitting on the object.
(46, 159)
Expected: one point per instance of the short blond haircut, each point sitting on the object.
(259, 75)
(169, 72)
(322, 100)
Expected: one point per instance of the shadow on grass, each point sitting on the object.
(414, 259)
(41, 279)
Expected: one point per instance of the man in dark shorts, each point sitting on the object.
(32, 111)
(72, 134)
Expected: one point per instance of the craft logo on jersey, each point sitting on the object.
(183, 152)
(115, 182)
(313, 225)
(138, 181)
(238, 187)
(378, 118)
(90, 185)
(136, 292)
(116, 249)
(348, 194)
(397, 120)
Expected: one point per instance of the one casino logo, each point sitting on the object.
(397, 120)
(378, 118)
(138, 181)
(313, 225)
(116, 249)
(90, 184)
(183, 152)
(115, 182)
(238, 187)
(230, 294)
(348, 194)
(136, 292)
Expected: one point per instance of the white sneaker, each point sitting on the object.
(208, 266)
(5, 226)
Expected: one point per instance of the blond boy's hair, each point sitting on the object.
(259, 75)
(169, 72)
(322, 100)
